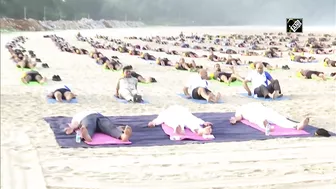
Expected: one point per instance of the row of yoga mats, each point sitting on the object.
(223, 131)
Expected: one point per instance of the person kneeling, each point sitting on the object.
(33, 76)
(262, 116)
(62, 93)
(180, 118)
(127, 86)
(260, 83)
(90, 122)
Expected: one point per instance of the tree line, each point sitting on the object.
(175, 12)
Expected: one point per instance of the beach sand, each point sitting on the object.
(31, 158)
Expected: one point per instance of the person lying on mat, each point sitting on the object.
(112, 65)
(300, 59)
(90, 122)
(263, 84)
(329, 63)
(164, 62)
(33, 76)
(127, 86)
(226, 77)
(147, 56)
(140, 78)
(182, 65)
(197, 88)
(60, 93)
(233, 61)
(26, 62)
(179, 118)
(311, 74)
(260, 115)
(134, 52)
(215, 58)
(266, 65)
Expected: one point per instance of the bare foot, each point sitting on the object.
(68, 130)
(151, 124)
(127, 134)
(179, 130)
(85, 134)
(303, 123)
(275, 94)
(205, 131)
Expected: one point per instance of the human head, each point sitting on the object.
(203, 73)
(127, 71)
(217, 67)
(260, 68)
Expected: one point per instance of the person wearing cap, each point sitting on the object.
(197, 88)
(260, 115)
(178, 118)
(60, 93)
(263, 84)
(90, 122)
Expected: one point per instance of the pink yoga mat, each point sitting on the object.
(277, 131)
(102, 139)
(187, 135)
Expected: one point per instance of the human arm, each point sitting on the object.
(247, 79)
(117, 88)
(238, 116)
(268, 77)
(186, 93)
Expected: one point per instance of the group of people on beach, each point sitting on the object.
(263, 85)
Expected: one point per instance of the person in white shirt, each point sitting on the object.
(263, 84)
(60, 93)
(179, 118)
(127, 86)
(260, 115)
(197, 88)
(90, 122)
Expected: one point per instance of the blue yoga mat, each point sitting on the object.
(264, 99)
(53, 101)
(126, 102)
(144, 136)
(196, 100)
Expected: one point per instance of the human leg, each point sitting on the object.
(126, 94)
(88, 126)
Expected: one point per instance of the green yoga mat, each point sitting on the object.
(33, 83)
(25, 69)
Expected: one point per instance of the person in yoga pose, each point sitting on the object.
(26, 62)
(179, 118)
(112, 65)
(311, 74)
(140, 78)
(127, 86)
(263, 84)
(233, 61)
(134, 52)
(61, 93)
(164, 62)
(262, 116)
(225, 76)
(271, 54)
(300, 59)
(33, 76)
(147, 56)
(172, 52)
(215, 58)
(190, 54)
(90, 122)
(197, 88)
(329, 63)
(182, 65)
(266, 65)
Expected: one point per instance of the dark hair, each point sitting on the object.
(128, 67)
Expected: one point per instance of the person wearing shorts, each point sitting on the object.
(197, 88)
(32, 76)
(61, 93)
(90, 122)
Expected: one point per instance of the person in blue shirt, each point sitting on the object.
(263, 84)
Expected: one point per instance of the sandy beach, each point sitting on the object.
(31, 158)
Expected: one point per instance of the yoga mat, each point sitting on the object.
(198, 101)
(188, 135)
(126, 102)
(144, 136)
(277, 131)
(102, 139)
(33, 83)
(24, 69)
(53, 101)
(264, 99)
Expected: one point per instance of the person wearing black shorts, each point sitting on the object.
(32, 76)
(62, 93)
(310, 74)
